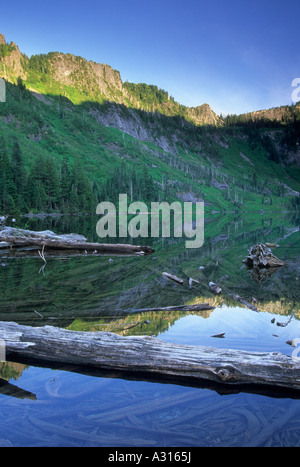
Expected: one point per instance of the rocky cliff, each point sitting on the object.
(143, 111)
(11, 60)
(98, 82)
(95, 78)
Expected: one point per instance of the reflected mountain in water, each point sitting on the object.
(103, 289)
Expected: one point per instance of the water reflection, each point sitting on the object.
(82, 410)
(89, 287)
(101, 293)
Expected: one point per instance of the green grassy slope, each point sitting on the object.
(66, 144)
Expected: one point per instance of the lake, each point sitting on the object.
(72, 407)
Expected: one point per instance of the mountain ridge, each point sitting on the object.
(100, 81)
(104, 83)
(79, 129)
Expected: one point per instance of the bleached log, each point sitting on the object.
(4, 245)
(215, 288)
(149, 355)
(21, 238)
(173, 278)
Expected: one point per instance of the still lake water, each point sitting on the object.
(70, 407)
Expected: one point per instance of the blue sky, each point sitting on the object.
(235, 55)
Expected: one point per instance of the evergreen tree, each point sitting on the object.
(51, 184)
(148, 186)
(19, 174)
(81, 186)
(8, 192)
(254, 180)
(36, 195)
(65, 183)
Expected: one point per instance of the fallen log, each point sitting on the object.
(244, 302)
(13, 391)
(215, 288)
(4, 245)
(21, 238)
(149, 355)
(197, 307)
(173, 278)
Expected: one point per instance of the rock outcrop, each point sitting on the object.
(94, 77)
(12, 61)
(203, 115)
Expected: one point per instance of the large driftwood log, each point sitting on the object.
(21, 238)
(149, 355)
